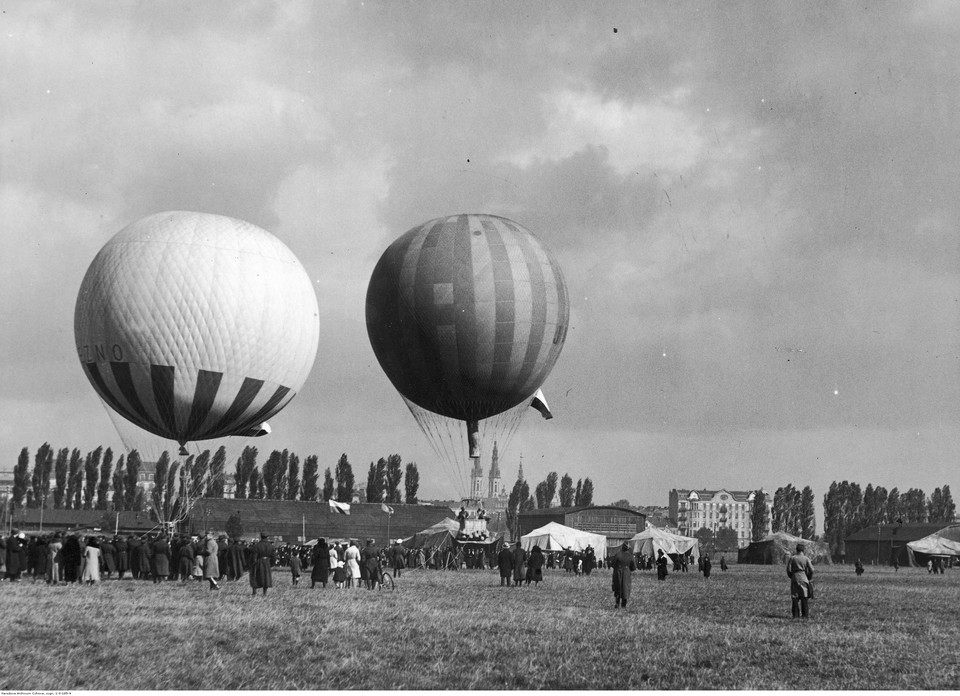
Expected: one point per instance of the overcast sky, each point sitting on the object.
(755, 205)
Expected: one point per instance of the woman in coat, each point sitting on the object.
(262, 555)
(91, 562)
(211, 562)
(352, 564)
(320, 562)
(623, 564)
(236, 561)
(535, 571)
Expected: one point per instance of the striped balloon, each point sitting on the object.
(196, 326)
(467, 315)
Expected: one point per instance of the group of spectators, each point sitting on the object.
(65, 558)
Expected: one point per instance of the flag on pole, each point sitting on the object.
(386, 508)
(341, 508)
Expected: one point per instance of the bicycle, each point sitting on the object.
(386, 580)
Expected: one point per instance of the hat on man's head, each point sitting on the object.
(263, 535)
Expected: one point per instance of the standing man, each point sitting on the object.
(370, 565)
(398, 557)
(262, 556)
(800, 572)
(519, 564)
(505, 564)
(662, 561)
(623, 564)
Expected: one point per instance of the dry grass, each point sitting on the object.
(460, 630)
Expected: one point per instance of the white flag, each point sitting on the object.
(342, 508)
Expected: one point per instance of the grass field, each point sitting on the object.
(461, 630)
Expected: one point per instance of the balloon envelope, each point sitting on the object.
(467, 315)
(196, 326)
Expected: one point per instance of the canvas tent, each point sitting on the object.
(440, 535)
(652, 539)
(556, 537)
(776, 548)
(934, 545)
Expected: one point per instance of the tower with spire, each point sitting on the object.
(494, 483)
(476, 480)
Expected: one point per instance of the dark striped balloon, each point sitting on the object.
(467, 315)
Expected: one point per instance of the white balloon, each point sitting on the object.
(196, 326)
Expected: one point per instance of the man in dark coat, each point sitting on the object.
(398, 558)
(707, 566)
(623, 564)
(123, 559)
(72, 555)
(161, 558)
(320, 564)
(16, 555)
(370, 565)
(519, 564)
(185, 560)
(505, 564)
(262, 555)
(662, 561)
(535, 571)
(108, 557)
(235, 562)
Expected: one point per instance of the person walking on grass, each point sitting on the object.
(370, 558)
(623, 564)
(261, 569)
(535, 568)
(707, 566)
(800, 572)
(351, 559)
(398, 557)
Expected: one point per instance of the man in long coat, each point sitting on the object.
(185, 560)
(16, 556)
(320, 562)
(623, 564)
(234, 560)
(161, 558)
(370, 565)
(800, 572)
(505, 564)
(121, 555)
(262, 555)
(519, 564)
(211, 561)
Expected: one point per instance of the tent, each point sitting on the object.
(440, 535)
(556, 537)
(921, 550)
(776, 548)
(652, 539)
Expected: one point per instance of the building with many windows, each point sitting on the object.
(694, 509)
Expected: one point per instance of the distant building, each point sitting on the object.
(885, 543)
(694, 509)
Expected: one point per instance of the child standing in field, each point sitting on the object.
(295, 567)
(339, 575)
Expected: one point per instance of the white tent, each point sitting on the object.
(652, 539)
(556, 537)
(933, 545)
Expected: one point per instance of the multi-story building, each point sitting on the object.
(694, 509)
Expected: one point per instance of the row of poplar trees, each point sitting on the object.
(280, 479)
(848, 508)
(67, 479)
(569, 495)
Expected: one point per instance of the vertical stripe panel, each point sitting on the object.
(161, 377)
(208, 383)
(265, 412)
(248, 392)
(469, 332)
(538, 306)
(484, 301)
(124, 380)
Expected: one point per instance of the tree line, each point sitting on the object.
(848, 508)
(569, 495)
(70, 480)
